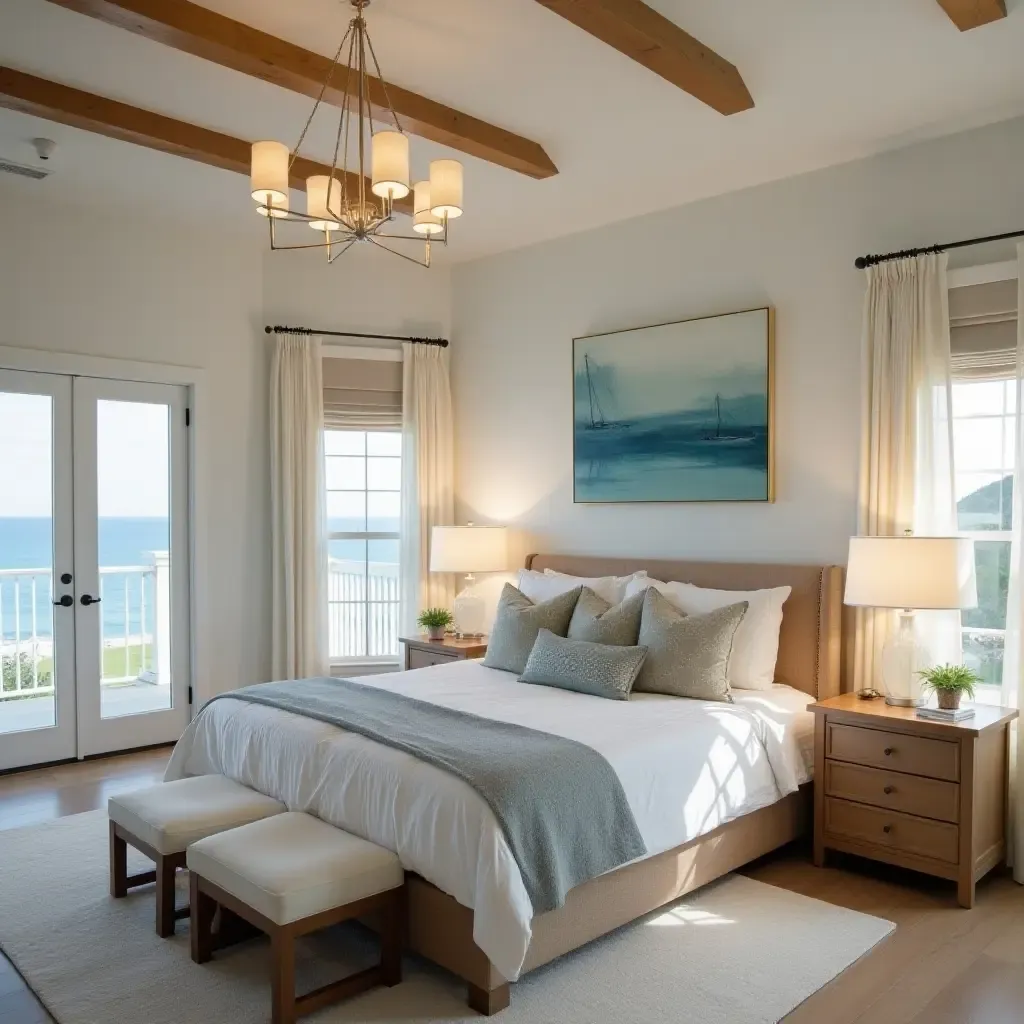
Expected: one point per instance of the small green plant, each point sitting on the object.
(952, 679)
(435, 618)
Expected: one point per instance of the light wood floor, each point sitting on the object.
(943, 965)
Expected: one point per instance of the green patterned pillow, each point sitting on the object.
(688, 655)
(599, 622)
(519, 620)
(601, 670)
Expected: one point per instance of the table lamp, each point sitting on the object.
(910, 574)
(469, 549)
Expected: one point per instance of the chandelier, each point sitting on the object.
(338, 206)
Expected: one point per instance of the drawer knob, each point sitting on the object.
(887, 829)
(889, 751)
(888, 790)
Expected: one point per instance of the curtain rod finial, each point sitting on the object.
(861, 262)
(268, 330)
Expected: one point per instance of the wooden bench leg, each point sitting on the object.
(201, 911)
(489, 1001)
(392, 939)
(118, 864)
(166, 868)
(282, 983)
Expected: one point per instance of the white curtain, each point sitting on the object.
(1013, 656)
(906, 473)
(428, 476)
(299, 637)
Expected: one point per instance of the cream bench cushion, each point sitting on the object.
(170, 816)
(293, 866)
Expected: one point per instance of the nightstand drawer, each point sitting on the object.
(918, 755)
(892, 830)
(424, 659)
(927, 798)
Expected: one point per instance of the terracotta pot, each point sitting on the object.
(436, 632)
(948, 700)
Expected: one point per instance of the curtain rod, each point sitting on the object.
(862, 262)
(278, 329)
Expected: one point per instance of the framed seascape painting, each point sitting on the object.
(675, 412)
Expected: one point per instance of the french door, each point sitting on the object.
(94, 558)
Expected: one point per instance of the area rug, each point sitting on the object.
(737, 952)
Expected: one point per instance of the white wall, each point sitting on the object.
(789, 244)
(137, 288)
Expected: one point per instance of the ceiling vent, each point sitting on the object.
(22, 170)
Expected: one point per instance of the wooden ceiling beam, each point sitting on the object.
(968, 14)
(65, 105)
(204, 33)
(649, 38)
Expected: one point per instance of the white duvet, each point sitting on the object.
(686, 767)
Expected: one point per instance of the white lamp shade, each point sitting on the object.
(446, 188)
(469, 549)
(423, 221)
(316, 202)
(389, 163)
(911, 572)
(269, 173)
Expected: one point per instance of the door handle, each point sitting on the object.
(66, 601)
(88, 599)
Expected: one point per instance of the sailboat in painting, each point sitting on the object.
(728, 438)
(598, 420)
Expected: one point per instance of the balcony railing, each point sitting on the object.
(362, 604)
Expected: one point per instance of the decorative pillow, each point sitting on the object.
(598, 622)
(517, 623)
(596, 669)
(542, 586)
(756, 647)
(687, 655)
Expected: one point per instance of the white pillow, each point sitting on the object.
(755, 648)
(543, 586)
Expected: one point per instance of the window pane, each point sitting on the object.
(983, 652)
(384, 474)
(346, 511)
(344, 442)
(983, 398)
(985, 501)
(992, 567)
(382, 585)
(345, 473)
(383, 509)
(978, 444)
(1011, 395)
(384, 443)
(346, 597)
(1009, 442)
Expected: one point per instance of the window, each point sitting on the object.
(984, 437)
(363, 473)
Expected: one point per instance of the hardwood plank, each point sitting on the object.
(204, 33)
(61, 103)
(649, 38)
(968, 14)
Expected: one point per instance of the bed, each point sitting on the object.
(731, 793)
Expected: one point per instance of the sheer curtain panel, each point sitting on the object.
(299, 633)
(428, 476)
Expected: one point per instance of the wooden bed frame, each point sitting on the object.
(809, 659)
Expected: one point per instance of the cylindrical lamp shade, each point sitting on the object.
(423, 221)
(446, 188)
(911, 572)
(469, 549)
(269, 176)
(389, 161)
(316, 202)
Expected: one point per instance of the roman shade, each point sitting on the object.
(362, 394)
(983, 331)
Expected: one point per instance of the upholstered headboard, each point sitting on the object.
(810, 641)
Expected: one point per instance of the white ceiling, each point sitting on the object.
(832, 80)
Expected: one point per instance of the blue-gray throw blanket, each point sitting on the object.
(559, 803)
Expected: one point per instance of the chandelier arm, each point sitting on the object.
(342, 251)
(337, 137)
(319, 99)
(318, 245)
(395, 252)
(409, 238)
(362, 96)
(384, 85)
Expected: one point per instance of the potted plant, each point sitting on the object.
(950, 683)
(435, 621)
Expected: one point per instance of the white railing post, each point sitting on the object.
(162, 637)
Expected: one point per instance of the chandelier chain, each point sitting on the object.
(383, 84)
(343, 123)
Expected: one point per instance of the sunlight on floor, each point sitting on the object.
(687, 915)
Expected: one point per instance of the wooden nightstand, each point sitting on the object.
(421, 651)
(924, 795)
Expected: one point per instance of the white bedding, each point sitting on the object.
(686, 767)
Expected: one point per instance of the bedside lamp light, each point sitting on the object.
(469, 549)
(909, 574)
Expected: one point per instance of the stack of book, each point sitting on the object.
(940, 715)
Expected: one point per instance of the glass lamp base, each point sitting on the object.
(902, 658)
(469, 611)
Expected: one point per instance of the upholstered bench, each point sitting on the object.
(291, 875)
(161, 821)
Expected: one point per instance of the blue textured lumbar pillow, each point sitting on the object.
(601, 670)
